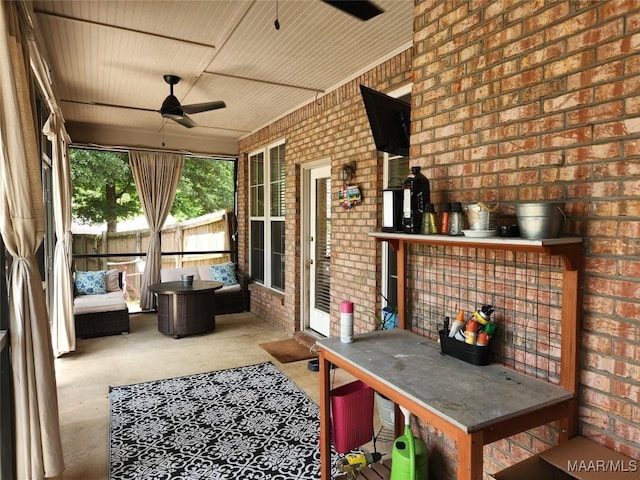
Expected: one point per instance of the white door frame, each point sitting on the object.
(305, 226)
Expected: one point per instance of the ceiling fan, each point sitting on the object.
(172, 109)
(362, 9)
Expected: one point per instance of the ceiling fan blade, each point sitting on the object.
(362, 9)
(203, 107)
(184, 119)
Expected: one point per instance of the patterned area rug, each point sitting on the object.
(245, 423)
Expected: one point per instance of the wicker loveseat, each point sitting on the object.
(98, 314)
(230, 298)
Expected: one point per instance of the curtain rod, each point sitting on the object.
(121, 148)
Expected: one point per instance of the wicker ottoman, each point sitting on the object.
(186, 310)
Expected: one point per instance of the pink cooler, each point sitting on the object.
(351, 416)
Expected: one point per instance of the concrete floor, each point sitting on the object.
(145, 354)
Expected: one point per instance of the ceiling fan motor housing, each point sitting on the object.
(171, 106)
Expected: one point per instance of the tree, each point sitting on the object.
(103, 187)
(206, 186)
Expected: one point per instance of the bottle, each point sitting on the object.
(346, 321)
(471, 332)
(458, 324)
(416, 196)
(429, 220)
(444, 218)
(483, 339)
(456, 220)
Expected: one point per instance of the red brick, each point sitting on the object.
(593, 153)
(569, 100)
(546, 17)
(600, 74)
(598, 35)
(597, 418)
(596, 380)
(567, 137)
(615, 287)
(601, 112)
(626, 350)
(596, 344)
(628, 310)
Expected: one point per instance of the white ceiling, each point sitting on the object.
(116, 52)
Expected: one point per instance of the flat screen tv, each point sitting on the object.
(390, 121)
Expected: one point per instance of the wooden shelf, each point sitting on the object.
(562, 246)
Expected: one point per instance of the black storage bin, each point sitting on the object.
(469, 353)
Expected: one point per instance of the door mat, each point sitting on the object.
(287, 351)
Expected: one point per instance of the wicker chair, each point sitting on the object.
(100, 323)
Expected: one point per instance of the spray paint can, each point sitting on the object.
(471, 332)
(346, 321)
(458, 324)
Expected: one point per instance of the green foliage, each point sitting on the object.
(104, 189)
(206, 186)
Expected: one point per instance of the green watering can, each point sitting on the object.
(409, 459)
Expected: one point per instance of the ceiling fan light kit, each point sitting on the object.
(172, 109)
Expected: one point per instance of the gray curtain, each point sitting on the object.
(62, 322)
(156, 175)
(38, 447)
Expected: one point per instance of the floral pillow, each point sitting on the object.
(225, 273)
(91, 283)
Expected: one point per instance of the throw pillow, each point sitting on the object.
(91, 283)
(225, 273)
(111, 281)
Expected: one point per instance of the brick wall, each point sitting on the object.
(335, 127)
(511, 101)
(521, 101)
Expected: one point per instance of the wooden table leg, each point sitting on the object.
(470, 459)
(325, 419)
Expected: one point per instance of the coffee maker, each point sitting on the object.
(392, 209)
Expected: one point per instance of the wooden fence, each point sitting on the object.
(207, 233)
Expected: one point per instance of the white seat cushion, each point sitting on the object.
(107, 302)
(229, 288)
(175, 274)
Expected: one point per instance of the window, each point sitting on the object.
(266, 212)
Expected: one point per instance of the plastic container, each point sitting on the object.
(429, 220)
(469, 353)
(351, 416)
(443, 220)
(540, 220)
(416, 196)
(456, 219)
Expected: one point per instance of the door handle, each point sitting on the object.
(309, 262)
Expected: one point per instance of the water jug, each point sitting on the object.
(409, 460)
(416, 196)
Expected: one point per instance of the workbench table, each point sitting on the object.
(475, 405)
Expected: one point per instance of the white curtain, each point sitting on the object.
(38, 447)
(156, 175)
(62, 322)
